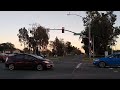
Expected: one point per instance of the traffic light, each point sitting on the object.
(63, 29)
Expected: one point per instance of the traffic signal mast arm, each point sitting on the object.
(67, 31)
(70, 31)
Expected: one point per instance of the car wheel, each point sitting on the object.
(39, 67)
(11, 67)
(102, 64)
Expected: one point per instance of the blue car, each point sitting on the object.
(110, 60)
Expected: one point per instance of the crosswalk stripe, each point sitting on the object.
(78, 65)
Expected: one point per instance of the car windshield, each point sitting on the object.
(115, 55)
(112, 55)
(39, 57)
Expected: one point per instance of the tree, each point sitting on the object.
(26, 50)
(32, 44)
(7, 46)
(75, 50)
(47, 53)
(38, 37)
(23, 36)
(102, 30)
(68, 47)
(58, 47)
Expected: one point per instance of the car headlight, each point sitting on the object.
(45, 61)
(96, 60)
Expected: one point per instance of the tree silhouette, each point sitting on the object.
(102, 30)
(38, 37)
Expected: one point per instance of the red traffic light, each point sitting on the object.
(63, 29)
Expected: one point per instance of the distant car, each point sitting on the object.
(110, 60)
(28, 61)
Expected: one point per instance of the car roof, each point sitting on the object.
(116, 53)
(25, 54)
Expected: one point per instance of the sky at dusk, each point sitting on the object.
(12, 21)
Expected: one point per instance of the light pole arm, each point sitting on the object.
(74, 14)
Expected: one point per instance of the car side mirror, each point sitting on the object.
(110, 57)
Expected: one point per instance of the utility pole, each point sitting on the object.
(93, 47)
(90, 39)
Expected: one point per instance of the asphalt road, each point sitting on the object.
(68, 68)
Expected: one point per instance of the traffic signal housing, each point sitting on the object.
(63, 29)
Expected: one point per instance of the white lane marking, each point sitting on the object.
(110, 68)
(115, 71)
(69, 62)
(78, 65)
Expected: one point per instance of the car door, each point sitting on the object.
(19, 60)
(117, 59)
(29, 61)
(114, 60)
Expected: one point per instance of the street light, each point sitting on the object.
(89, 33)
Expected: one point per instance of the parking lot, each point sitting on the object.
(64, 69)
